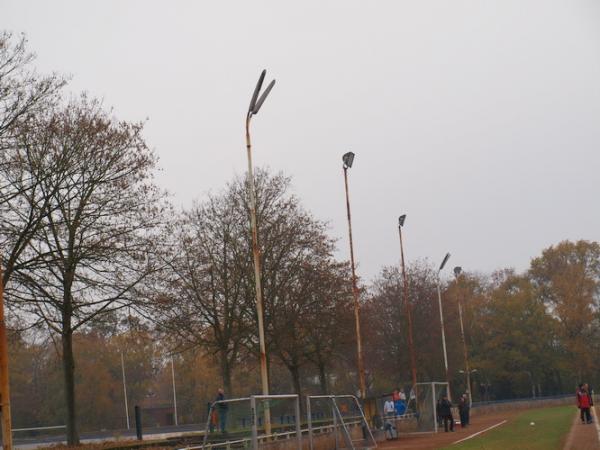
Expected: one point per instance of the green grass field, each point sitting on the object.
(548, 433)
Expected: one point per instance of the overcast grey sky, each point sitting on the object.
(478, 119)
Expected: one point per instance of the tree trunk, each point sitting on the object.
(560, 381)
(226, 374)
(295, 372)
(69, 376)
(323, 379)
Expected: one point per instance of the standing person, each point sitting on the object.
(585, 402)
(463, 410)
(389, 412)
(388, 408)
(412, 398)
(577, 396)
(396, 400)
(222, 408)
(446, 413)
(403, 404)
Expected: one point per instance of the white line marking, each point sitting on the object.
(596, 421)
(479, 432)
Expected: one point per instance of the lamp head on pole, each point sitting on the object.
(457, 271)
(446, 258)
(256, 101)
(348, 159)
(401, 220)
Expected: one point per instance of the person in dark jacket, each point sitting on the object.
(438, 415)
(446, 413)
(464, 410)
(222, 409)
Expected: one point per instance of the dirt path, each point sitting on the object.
(583, 437)
(434, 441)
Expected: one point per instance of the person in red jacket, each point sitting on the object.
(584, 403)
(577, 395)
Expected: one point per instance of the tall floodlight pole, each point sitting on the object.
(439, 290)
(124, 388)
(348, 159)
(457, 271)
(255, 104)
(469, 380)
(408, 307)
(174, 391)
(4, 383)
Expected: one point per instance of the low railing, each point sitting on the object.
(262, 438)
(522, 399)
(34, 432)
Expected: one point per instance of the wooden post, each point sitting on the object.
(4, 381)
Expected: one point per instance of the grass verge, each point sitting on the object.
(548, 433)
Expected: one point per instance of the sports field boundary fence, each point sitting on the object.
(490, 407)
(339, 416)
(275, 422)
(252, 415)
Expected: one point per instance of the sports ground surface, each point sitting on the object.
(554, 428)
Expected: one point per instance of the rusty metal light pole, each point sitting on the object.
(4, 380)
(255, 104)
(457, 271)
(348, 159)
(408, 307)
(442, 323)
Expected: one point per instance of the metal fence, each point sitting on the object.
(338, 415)
(523, 399)
(252, 421)
(260, 421)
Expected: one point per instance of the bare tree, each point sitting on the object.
(91, 252)
(22, 91)
(386, 322)
(331, 322)
(203, 303)
(25, 101)
(27, 170)
(209, 296)
(309, 321)
(299, 273)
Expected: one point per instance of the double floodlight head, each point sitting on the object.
(401, 220)
(348, 159)
(446, 258)
(256, 101)
(457, 271)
